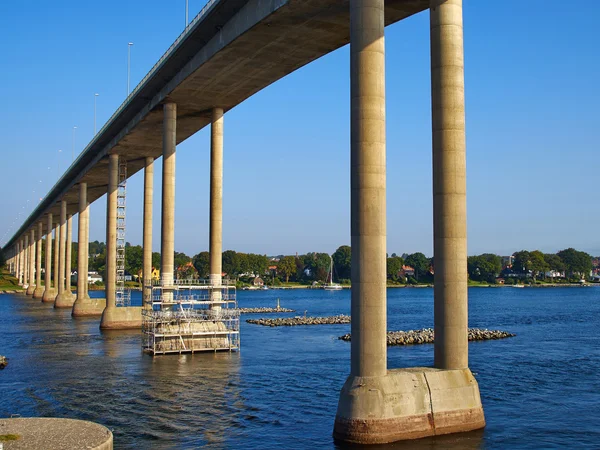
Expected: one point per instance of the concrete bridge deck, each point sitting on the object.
(232, 50)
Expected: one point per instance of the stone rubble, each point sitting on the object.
(425, 336)
(298, 320)
(265, 310)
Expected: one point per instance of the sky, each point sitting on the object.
(533, 128)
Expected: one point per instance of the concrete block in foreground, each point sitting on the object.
(54, 434)
(121, 318)
(408, 404)
(88, 307)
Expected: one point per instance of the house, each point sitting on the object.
(94, 276)
(406, 271)
(500, 280)
(507, 261)
(258, 282)
(554, 274)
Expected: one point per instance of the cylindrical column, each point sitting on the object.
(68, 255)
(18, 259)
(368, 208)
(62, 247)
(55, 268)
(22, 263)
(39, 290)
(26, 261)
(449, 185)
(87, 247)
(168, 197)
(48, 289)
(216, 205)
(82, 244)
(31, 263)
(111, 231)
(147, 232)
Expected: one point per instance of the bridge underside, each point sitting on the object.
(238, 61)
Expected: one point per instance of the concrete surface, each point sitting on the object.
(88, 307)
(147, 229)
(216, 205)
(408, 404)
(121, 318)
(49, 293)
(55, 434)
(39, 289)
(449, 185)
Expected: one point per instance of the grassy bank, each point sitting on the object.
(8, 282)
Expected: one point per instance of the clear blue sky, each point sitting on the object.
(533, 128)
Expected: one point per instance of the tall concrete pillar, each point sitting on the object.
(31, 263)
(49, 293)
(147, 237)
(22, 262)
(113, 317)
(26, 261)
(83, 244)
(449, 185)
(39, 289)
(69, 258)
(168, 197)
(87, 247)
(63, 299)
(18, 258)
(111, 231)
(216, 206)
(55, 268)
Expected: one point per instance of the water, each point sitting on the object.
(540, 389)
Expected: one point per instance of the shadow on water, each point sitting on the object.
(462, 441)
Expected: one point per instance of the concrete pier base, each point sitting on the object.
(38, 292)
(49, 295)
(122, 318)
(55, 434)
(64, 300)
(88, 307)
(408, 404)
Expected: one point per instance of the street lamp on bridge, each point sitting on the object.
(128, 65)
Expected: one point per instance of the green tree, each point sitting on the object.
(258, 264)
(554, 262)
(342, 260)
(287, 267)
(419, 262)
(537, 263)
(180, 259)
(485, 267)
(2, 258)
(394, 264)
(230, 263)
(156, 260)
(522, 262)
(201, 263)
(134, 259)
(576, 262)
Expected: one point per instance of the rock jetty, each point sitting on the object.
(425, 336)
(265, 310)
(3, 362)
(293, 321)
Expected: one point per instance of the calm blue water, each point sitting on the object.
(540, 389)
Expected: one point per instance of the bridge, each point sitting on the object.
(230, 51)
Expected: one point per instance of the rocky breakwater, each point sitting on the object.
(294, 321)
(3, 362)
(265, 310)
(426, 336)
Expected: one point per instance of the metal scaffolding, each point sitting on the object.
(123, 296)
(188, 316)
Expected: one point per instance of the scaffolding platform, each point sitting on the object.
(188, 316)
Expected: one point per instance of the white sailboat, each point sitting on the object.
(330, 285)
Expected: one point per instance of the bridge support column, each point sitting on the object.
(69, 259)
(39, 290)
(84, 306)
(114, 318)
(49, 293)
(63, 299)
(147, 231)
(31, 263)
(26, 262)
(216, 206)
(378, 405)
(22, 263)
(55, 272)
(167, 240)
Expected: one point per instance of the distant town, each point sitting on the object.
(314, 268)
